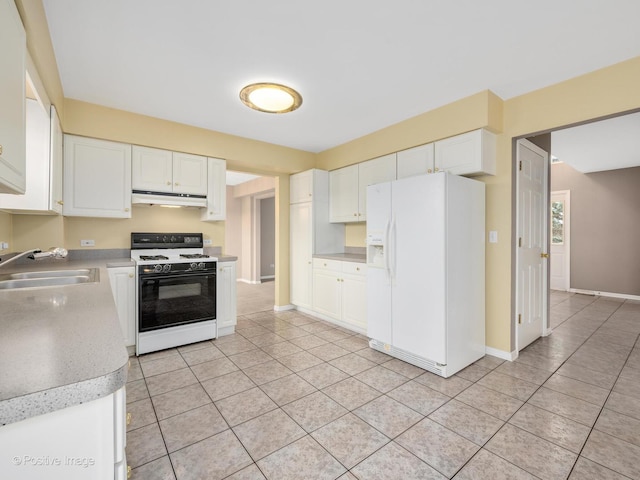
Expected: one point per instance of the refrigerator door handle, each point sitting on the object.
(385, 253)
(392, 249)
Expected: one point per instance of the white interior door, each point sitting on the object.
(531, 288)
(559, 251)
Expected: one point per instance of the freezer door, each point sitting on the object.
(417, 261)
(378, 279)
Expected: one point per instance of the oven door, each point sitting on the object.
(175, 299)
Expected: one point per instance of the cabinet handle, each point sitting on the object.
(359, 214)
(355, 214)
(325, 264)
(126, 209)
(429, 171)
(60, 202)
(128, 471)
(309, 263)
(168, 183)
(437, 169)
(177, 184)
(309, 194)
(131, 275)
(128, 418)
(358, 269)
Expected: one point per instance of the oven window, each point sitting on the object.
(176, 300)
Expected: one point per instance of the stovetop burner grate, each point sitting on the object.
(153, 257)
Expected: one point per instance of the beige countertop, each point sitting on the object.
(60, 346)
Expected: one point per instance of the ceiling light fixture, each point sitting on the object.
(270, 97)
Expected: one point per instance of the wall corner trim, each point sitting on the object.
(511, 356)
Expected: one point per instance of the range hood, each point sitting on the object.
(140, 197)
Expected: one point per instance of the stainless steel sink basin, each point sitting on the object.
(53, 278)
(52, 273)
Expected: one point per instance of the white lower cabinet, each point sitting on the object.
(123, 287)
(339, 292)
(75, 443)
(226, 309)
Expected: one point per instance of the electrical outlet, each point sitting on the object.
(87, 243)
(207, 241)
(493, 236)
(4, 245)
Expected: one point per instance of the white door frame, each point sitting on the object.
(545, 270)
(567, 234)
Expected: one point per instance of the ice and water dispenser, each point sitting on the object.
(375, 249)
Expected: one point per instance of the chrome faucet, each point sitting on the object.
(37, 254)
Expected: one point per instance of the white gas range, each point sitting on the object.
(176, 290)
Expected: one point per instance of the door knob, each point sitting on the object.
(544, 255)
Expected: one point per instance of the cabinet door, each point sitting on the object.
(343, 195)
(123, 288)
(189, 174)
(56, 162)
(301, 187)
(472, 153)
(327, 293)
(378, 170)
(151, 169)
(415, 161)
(354, 300)
(36, 197)
(12, 95)
(216, 191)
(226, 307)
(97, 178)
(301, 248)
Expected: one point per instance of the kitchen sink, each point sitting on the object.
(53, 273)
(54, 278)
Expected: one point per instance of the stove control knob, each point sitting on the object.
(157, 268)
(201, 265)
(193, 266)
(166, 268)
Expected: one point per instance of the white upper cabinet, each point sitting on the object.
(189, 174)
(415, 161)
(216, 208)
(348, 187)
(152, 169)
(44, 163)
(343, 194)
(472, 153)
(378, 170)
(301, 187)
(12, 105)
(156, 170)
(97, 178)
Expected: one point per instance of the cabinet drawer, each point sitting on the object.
(326, 264)
(354, 268)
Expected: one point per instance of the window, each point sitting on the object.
(557, 223)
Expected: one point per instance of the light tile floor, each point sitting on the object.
(290, 397)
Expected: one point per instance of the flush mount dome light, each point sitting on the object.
(270, 97)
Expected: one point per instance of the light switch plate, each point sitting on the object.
(207, 241)
(493, 236)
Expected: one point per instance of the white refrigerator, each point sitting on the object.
(425, 276)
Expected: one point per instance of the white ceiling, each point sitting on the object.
(236, 178)
(604, 145)
(360, 65)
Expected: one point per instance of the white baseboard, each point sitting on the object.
(268, 277)
(494, 352)
(604, 294)
(250, 282)
(283, 308)
(338, 323)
